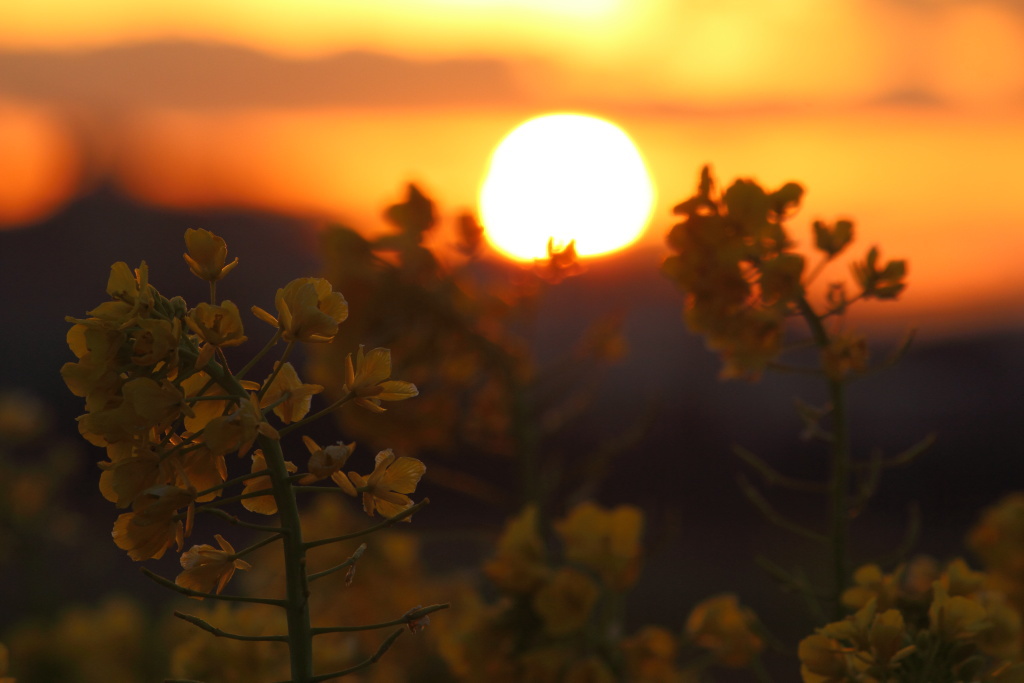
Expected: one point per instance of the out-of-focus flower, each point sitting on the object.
(4, 663)
(592, 669)
(368, 380)
(880, 283)
(959, 579)
(834, 239)
(651, 656)
(293, 398)
(956, 617)
(720, 625)
(206, 255)
(607, 541)
(998, 539)
(822, 660)
(871, 584)
(23, 416)
(846, 353)
(384, 490)
(565, 601)
(208, 569)
(308, 310)
(518, 565)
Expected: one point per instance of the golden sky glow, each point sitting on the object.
(907, 116)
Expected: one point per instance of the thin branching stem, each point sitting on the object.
(232, 482)
(338, 567)
(407, 618)
(276, 371)
(230, 518)
(366, 663)
(262, 352)
(167, 583)
(838, 507)
(315, 416)
(408, 512)
(206, 626)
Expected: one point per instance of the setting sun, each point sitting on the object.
(565, 177)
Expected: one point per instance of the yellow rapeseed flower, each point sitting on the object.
(956, 617)
(720, 625)
(208, 569)
(384, 490)
(297, 397)
(238, 430)
(607, 541)
(149, 529)
(264, 505)
(217, 326)
(519, 565)
(206, 255)
(133, 468)
(308, 310)
(564, 603)
(368, 380)
(327, 462)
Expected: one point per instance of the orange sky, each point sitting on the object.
(906, 115)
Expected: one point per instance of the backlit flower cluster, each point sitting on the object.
(918, 623)
(742, 276)
(160, 398)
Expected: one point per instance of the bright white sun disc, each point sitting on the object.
(566, 177)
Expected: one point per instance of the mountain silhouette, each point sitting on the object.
(191, 74)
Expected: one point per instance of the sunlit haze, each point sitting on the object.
(907, 117)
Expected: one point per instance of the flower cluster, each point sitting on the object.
(553, 610)
(918, 623)
(161, 398)
(743, 278)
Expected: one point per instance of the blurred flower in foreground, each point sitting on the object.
(720, 625)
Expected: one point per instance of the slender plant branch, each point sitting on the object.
(167, 583)
(262, 352)
(338, 567)
(224, 634)
(248, 525)
(408, 512)
(407, 618)
(315, 416)
(232, 482)
(373, 659)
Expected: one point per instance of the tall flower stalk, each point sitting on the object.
(161, 398)
(744, 282)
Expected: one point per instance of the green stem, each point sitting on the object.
(276, 371)
(248, 366)
(839, 477)
(300, 637)
(232, 482)
(167, 583)
(334, 406)
(410, 616)
(296, 603)
(408, 512)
